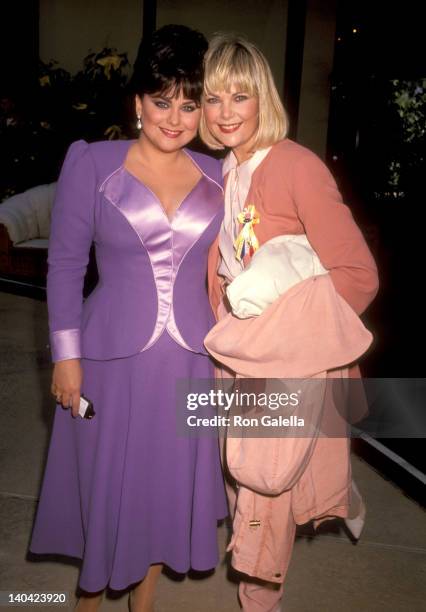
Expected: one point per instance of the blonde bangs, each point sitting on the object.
(228, 68)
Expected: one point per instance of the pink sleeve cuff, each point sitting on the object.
(65, 344)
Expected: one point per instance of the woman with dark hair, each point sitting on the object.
(122, 490)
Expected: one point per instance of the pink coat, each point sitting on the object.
(294, 193)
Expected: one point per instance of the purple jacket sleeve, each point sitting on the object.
(71, 235)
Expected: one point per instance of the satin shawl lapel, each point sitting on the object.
(194, 216)
(147, 218)
(139, 206)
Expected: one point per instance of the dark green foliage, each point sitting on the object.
(37, 127)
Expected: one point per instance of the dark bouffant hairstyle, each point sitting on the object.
(170, 61)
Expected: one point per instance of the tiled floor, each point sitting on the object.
(385, 571)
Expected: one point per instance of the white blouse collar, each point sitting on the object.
(231, 162)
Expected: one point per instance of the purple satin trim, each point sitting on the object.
(167, 242)
(65, 344)
(174, 332)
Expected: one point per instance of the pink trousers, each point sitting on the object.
(260, 596)
(255, 595)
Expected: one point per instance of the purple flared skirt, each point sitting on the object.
(124, 490)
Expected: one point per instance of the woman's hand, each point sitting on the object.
(66, 383)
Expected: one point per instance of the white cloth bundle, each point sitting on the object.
(278, 265)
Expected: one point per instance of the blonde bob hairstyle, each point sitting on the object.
(233, 61)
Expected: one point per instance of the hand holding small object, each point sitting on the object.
(66, 384)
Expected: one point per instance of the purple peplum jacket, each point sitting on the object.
(150, 276)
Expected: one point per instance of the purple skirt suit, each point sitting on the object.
(124, 490)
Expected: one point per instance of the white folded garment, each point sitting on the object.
(278, 265)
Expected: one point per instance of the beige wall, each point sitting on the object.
(262, 21)
(317, 66)
(69, 29)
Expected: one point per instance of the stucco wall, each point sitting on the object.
(69, 29)
(262, 21)
(317, 66)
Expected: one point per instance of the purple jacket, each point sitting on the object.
(152, 271)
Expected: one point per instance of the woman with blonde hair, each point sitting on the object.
(280, 196)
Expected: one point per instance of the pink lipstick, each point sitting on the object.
(171, 133)
(229, 129)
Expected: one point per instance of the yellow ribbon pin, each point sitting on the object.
(246, 241)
